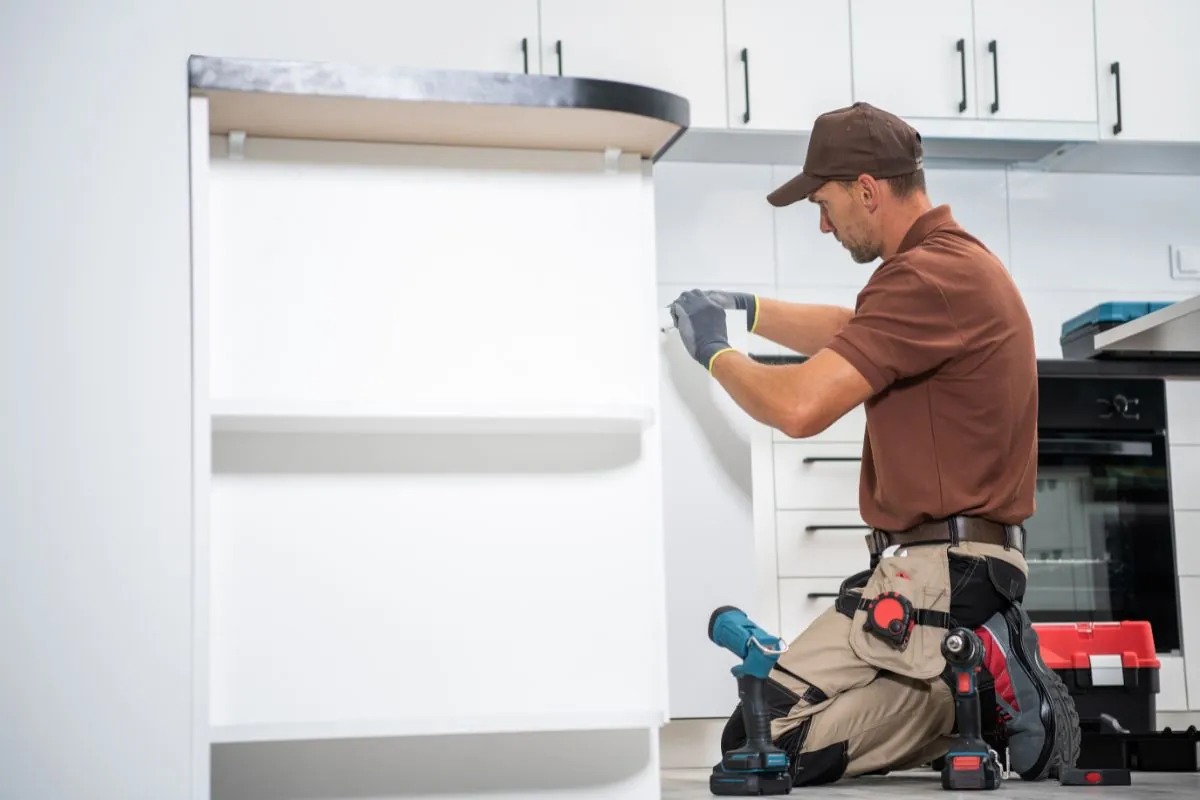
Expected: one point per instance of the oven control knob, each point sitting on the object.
(1125, 406)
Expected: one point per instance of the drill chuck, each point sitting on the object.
(730, 628)
(962, 649)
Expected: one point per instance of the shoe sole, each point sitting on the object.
(1062, 721)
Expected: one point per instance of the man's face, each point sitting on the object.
(844, 214)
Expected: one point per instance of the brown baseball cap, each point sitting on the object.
(852, 141)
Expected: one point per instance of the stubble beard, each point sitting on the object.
(861, 253)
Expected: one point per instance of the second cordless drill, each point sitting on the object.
(970, 764)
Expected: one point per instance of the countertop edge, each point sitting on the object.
(1052, 367)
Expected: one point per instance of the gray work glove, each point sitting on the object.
(737, 300)
(701, 324)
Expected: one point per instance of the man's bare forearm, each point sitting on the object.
(803, 327)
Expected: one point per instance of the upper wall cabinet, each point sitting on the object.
(672, 45)
(915, 59)
(1148, 69)
(1035, 61)
(488, 35)
(1017, 66)
(787, 60)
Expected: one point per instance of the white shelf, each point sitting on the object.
(271, 416)
(450, 724)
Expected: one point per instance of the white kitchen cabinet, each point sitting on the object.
(672, 45)
(708, 523)
(1189, 596)
(1148, 69)
(933, 63)
(773, 48)
(488, 35)
(915, 59)
(1043, 71)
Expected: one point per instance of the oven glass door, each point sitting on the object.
(1100, 545)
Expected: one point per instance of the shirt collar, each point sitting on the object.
(925, 224)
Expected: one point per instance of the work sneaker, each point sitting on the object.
(1037, 714)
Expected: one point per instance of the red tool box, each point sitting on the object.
(1111, 671)
(1108, 667)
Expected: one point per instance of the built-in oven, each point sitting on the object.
(1100, 544)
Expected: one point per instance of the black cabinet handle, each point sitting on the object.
(558, 52)
(995, 75)
(812, 528)
(525, 53)
(1115, 69)
(815, 459)
(820, 595)
(746, 78)
(961, 47)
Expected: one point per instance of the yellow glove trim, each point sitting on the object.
(754, 324)
(713, 360)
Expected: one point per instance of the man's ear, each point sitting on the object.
(869, 192)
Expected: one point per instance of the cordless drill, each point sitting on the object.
(970, 764)
(758, 767)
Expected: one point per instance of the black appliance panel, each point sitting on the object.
(1100, 544)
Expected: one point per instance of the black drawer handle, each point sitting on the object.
(558, 52)
(961, 47)
(822, 595)
(525, 53)
(812, 528)
(995, 75)
(1115, 69)
(746, 78)
(815, 459)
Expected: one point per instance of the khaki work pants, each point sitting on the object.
(845, 702)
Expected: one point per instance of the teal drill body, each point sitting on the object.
(757, 767)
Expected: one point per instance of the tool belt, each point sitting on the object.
(952, 531)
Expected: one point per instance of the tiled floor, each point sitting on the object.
(693, 785)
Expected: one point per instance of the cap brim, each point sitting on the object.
(795, 190)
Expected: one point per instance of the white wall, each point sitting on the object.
(1070, 240)
(95, 686)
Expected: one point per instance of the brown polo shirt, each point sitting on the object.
(942, 335)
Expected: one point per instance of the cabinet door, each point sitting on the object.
(482, 35)
(1042, 72)
(774, 48)
(915, 59)
(673, 45)
(1151, 45)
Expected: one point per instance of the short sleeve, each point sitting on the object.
(902, 327)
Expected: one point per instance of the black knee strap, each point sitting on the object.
(812, 695)
(849, 603)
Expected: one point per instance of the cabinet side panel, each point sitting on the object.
(415, 582)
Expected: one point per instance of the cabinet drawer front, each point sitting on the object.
(797, 609)
(821, 544)
(850, 429)
(1185, 477)
(1189, 596)
(1183, 398)
(1187, 543)
(817, 476)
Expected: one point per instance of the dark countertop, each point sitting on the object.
(1056, 367)
(361, 103)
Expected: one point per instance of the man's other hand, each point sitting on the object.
(701, 324)
(737, 301)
